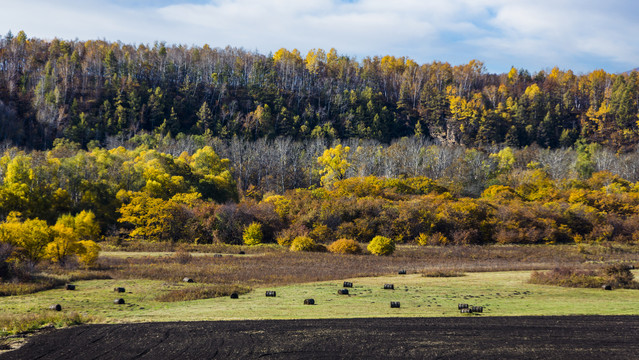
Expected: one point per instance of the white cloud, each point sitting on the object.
(582, 35)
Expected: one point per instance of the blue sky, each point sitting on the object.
(582, 35)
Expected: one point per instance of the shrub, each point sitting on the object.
(303, 243)
(620, 275)
(422, 239)
(286, 236)
(345, 246)
(435, 239)
(253, 234)
(381, 245)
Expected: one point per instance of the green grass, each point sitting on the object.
(501, 294)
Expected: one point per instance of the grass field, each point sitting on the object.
(501, 294)
(496, 277)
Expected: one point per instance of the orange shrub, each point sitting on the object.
(345, 246)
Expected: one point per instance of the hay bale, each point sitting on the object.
(348, 284)
(395, 304)
(217, 255)
(462, 306)
(309, 302)
(607, 287)
(477, 309)
(389, 287)
(466, 311)
(119, 301)
(235, 295)
(402, 272)
(187, 280)
(56, 307)
(271, 294)
(342, 292)
(70, 287)
(119, 289)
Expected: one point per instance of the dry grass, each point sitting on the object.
(443, 273)
(283, 267)
(22, 288)
(49, 278)
(18, 324)
(618, 276)
(202, 292)
(146, 246)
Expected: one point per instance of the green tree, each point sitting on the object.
(585, 164)
(204, 118)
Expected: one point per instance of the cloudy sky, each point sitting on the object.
(582, 35)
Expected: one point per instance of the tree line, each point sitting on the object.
(96, 92)
(186, 189)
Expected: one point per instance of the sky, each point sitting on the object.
(581, 35)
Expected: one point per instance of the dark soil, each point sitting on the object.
(571, 337)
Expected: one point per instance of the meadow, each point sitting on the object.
(495, 277)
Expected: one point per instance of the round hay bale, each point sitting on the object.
(462, 306)
(119, 301)
(477, 309)
(402, 272)
(389, 287)
(342, 292)
(348, 284)
(119, 289)
(235, 295)
(607, 287)
(271, 294)
(217, 255)
(394, 304)
(56, 307)
(466, 311)
(70, 287)
(309, 302)
(187, 280)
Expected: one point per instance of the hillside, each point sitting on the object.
(99, 93)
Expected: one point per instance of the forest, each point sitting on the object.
(113, 141)
(97, 93)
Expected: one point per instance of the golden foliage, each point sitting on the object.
(345, 246)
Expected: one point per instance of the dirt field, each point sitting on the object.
(582, 337)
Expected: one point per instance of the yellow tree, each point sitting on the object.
(30, 237)
(335, 164)
(155, 218)
(88, 252)
(83, 224)
(63, 245)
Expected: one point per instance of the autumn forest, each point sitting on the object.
(103, 140)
